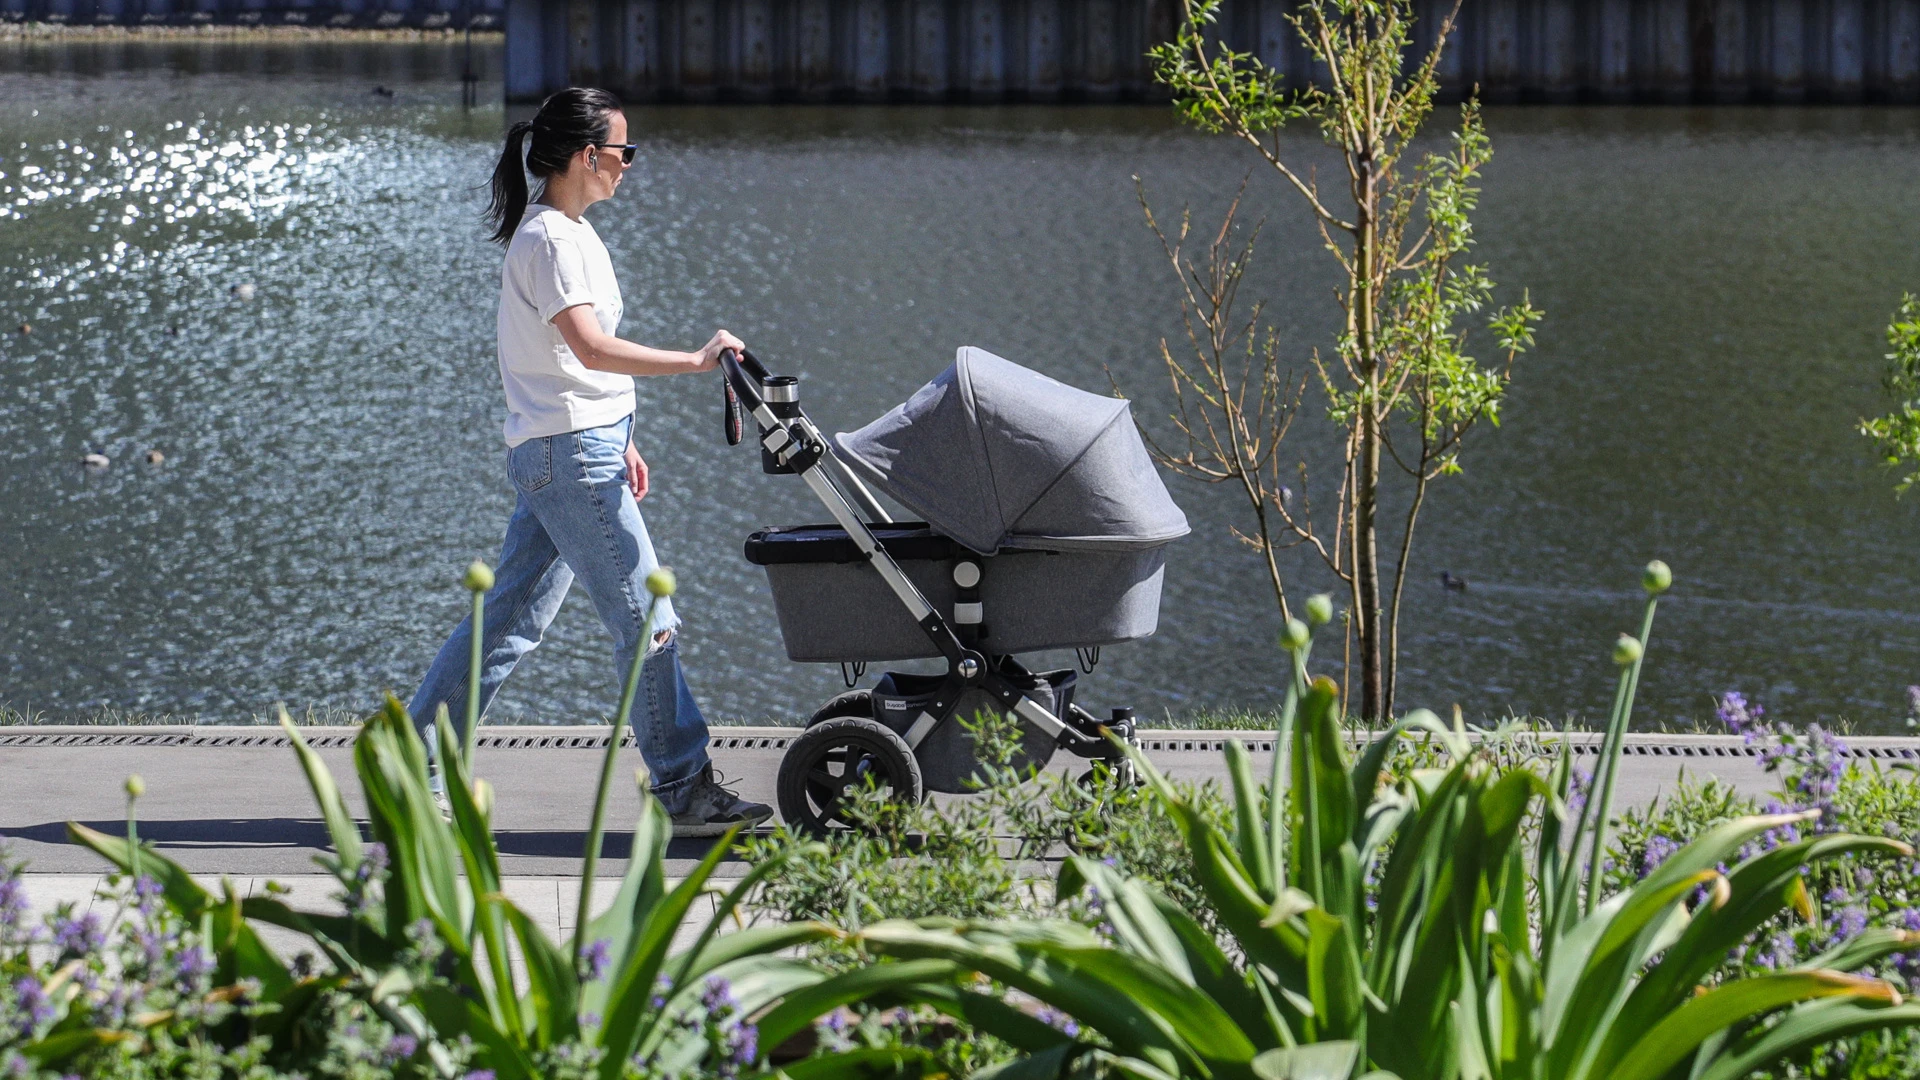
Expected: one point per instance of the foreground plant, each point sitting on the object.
(1415, 928)
(615, 1002)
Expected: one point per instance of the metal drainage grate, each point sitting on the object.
(340, 739)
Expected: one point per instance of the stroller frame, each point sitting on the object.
(791, 443)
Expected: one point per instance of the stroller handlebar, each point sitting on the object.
(742, 376)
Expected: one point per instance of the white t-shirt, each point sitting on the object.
(554, 263)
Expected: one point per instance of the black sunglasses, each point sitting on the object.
(627, 150)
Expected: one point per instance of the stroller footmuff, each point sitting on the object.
(1045, 527)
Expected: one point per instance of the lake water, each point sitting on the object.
(1716, 283)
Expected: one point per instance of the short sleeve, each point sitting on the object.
(557, 277)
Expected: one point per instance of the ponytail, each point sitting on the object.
(567, 122)
(509, 200)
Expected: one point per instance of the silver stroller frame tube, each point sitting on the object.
(792, 442)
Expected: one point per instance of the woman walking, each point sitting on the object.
(571, 458)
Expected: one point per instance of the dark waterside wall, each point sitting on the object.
(1044, 50)
(1047, 50)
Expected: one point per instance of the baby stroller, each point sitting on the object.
(1045, 527)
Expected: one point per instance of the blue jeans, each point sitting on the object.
(576, 518)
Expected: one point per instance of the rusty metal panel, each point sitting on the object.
(870, 49)
(1556, 34)
(1786, 53)
(1732, 49)
(986, 49)
(1499, 26)
(1903, 50)
(525, 81)
(1672, 51)
(640, 51)
(1043, 50)
(583, 43)
(699, 73)
(930, 49)
(1846, 50)
(1612, 78)
(753, 58)
(1099, 48)
(813, 48)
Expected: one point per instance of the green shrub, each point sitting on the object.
(1416, 926)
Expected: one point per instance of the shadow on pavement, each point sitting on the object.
(215, 833)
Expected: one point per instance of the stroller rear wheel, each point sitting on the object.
(832, 761)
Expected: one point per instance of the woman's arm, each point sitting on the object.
(601, 351)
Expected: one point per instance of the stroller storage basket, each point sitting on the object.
(834, 607)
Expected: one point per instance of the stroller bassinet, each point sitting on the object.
(1051, 483)
(1045, 528)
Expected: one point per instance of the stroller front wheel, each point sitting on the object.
(831, 763)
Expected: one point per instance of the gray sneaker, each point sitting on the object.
(712, 809)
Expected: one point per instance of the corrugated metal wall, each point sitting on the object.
(429, 14)
(1045, 50)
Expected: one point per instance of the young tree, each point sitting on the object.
(1400, 384)
(1897, 434)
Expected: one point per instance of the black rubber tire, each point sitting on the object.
(822, 761)
(852, 703)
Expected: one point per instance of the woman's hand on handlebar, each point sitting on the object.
(710, 355)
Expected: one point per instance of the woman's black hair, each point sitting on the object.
(567, 122)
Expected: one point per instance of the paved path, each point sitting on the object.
(234, 801)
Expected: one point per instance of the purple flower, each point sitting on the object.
(13, 901)
(399, 1048)
(594, 960)
(1848, 923)
(192, 963)
(718, 995)
(742, 1044)
(1578, 786)
(35, 1007)
(479, 1074)
(1659, 850)
(662, 986)
(78, 937)
(1740, 717)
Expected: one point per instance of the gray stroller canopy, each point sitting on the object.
(996, 455)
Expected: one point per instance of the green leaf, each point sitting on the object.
(1802, 1028)
(553, 988)
(342, 829)
(628, 1015)
(800, 1009)
(990, 1014)
(1334, 980)
(854, 1064)
(1332, 1060)
(1249, 835)
(1052, 1063)
(1669, 1042)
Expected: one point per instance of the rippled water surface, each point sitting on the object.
(1715, 283)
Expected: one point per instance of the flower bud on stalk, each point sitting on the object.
(1626, 650)
(1656, 578)
(1294, 636)
(136, 787)
(479, 577)
(660, 582)
(1320, 609)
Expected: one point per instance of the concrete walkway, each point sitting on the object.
(234, 801)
